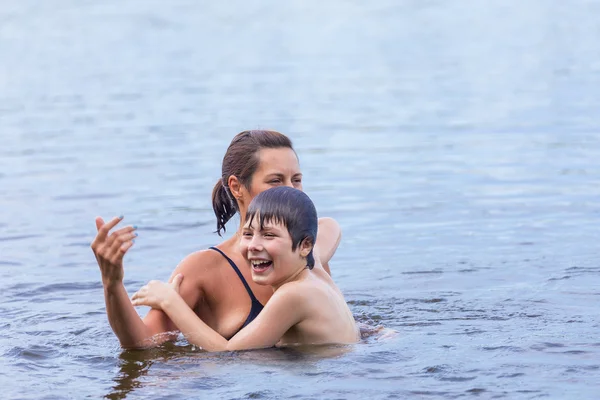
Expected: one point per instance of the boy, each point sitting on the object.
(278, 237)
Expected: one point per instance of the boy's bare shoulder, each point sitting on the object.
(291, 289)
(301, 289)
(306, 297)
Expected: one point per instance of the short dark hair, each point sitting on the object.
(241, 160)
(290, 207)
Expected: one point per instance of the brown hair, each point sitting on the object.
(241, 160)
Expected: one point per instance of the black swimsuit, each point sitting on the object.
(256, 305)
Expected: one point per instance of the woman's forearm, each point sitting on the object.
(192, 327)
(124, 319)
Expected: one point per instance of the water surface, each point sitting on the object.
(456, 144)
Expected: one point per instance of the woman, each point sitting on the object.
(217, 284)
(306, 308)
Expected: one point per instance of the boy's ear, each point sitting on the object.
(235, 186)
(306, 245)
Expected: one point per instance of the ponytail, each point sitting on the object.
(223, 205)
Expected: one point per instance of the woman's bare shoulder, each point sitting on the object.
(199, 263)
(329, 236)
(330, 225)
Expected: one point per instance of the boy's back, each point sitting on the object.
(324, 314)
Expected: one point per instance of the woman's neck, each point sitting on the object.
(233, 240)
(242, 214)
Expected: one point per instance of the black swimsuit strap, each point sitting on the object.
(236, 269)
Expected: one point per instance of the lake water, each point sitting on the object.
(457, 144)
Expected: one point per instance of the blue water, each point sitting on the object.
(457, 144)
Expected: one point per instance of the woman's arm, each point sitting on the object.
(283, 311)
(134, 332)
(125, 322)
(130, 329)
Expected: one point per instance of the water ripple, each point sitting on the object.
(18, 237)
(464, 174)
(53, 288)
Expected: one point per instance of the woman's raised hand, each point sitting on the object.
(156, 293)
(109, 249)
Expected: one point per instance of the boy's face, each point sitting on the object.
(269, 251)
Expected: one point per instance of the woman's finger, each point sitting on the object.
(119, 240)
(116, 235)
(122, 240)
(124, 230)
(104, 229)
(125, 247)
(99, 223)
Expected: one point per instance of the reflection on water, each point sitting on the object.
(132, 366)
(135, 365)
(456, 144)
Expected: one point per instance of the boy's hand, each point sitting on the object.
(156, 293)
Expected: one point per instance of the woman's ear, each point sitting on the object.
(235, 186)
(306, 245)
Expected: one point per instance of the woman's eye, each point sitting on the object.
(275, 182)
(247, 234)
(269, 235)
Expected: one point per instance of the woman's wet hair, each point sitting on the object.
(291, 208)
(241, 160)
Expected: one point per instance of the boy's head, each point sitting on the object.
(291, 208)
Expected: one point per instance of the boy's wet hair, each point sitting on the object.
(290, 207)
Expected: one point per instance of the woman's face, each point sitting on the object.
(269, 252)
(277, 167)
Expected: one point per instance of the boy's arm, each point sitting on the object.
(283, 311)
(286, 308)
